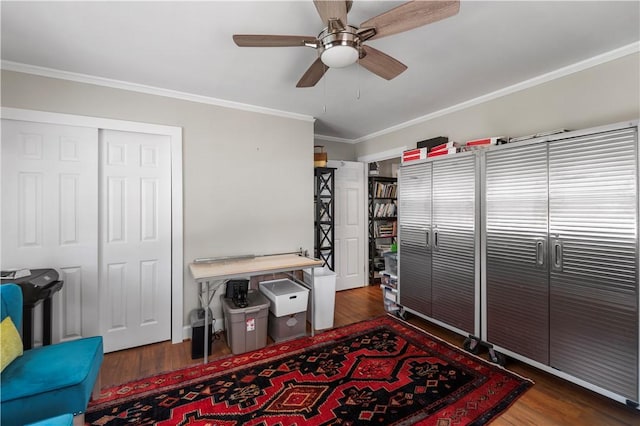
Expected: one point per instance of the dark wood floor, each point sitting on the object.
(551, 401)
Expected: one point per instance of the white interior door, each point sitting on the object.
(50, 216)
(350, 224)
(135, 239)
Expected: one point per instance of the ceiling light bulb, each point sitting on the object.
(339, 56)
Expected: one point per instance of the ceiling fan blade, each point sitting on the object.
(381, 64)
(410, 15)
(313, 74)
(261, 40)
(332, 9)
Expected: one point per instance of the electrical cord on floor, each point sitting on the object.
(216, 333)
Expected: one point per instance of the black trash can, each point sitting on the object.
(196, 318)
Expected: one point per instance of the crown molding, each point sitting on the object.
(535, 81)
(117, 84)
(332, 138)
(384, 155)
(150, 90)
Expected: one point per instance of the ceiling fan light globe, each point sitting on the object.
(339, 56)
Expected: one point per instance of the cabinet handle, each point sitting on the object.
(556, 263)
(541, 253)
(428, 238)
(436, 245)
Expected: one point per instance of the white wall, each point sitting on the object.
(338, 150)
(248, 177)
(604, 94)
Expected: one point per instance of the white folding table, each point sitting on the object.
(210, 276)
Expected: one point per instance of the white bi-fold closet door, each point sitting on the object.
(50, 216)
(95, 205)
(135, 238)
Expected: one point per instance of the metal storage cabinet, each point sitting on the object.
(453, 276)
(561, 256)
(593, 258)
(438, 254)
(414, 216)
(516, 229)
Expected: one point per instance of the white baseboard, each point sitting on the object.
(186, 330)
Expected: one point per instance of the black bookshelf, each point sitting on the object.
(324, 235)
(383, 216)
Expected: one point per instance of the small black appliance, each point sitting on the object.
(237, 291)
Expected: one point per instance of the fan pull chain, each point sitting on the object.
(324, 88)
(358, 78)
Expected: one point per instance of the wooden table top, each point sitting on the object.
(224, 269)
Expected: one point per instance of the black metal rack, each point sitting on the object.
(324, 235)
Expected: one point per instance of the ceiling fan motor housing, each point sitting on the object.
(340, 48)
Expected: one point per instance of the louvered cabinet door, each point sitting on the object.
(453, 250)
(593, 254)
(516, 226)
(414, 257)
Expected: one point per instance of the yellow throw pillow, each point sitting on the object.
(10, 342)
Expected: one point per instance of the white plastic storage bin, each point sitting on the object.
(246, 328)
(391, 262)
(390, 298)
(287, 327)
(286, 297)
(324, 283)
(389, 280)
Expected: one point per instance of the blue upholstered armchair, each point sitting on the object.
(47, 381)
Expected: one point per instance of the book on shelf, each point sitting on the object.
(382, 248)
(441, 152)
(447, 145)
(384, 229)
(385, 190)
(431, 142)
(385, 210)
(484, 142)
(414, 154)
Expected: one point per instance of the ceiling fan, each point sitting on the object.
(340, 45)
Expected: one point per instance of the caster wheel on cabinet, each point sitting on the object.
(497, 358)
(471, 345)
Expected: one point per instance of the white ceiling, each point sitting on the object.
(187, 47)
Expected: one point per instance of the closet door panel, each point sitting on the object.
(594, 278)
(453, 255)
(50, 217)
(135, 239)
(516, 226)
(414, 199)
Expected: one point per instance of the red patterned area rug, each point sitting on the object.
(383, 372)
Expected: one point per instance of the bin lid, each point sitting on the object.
(196, 317)
(255, 300)
(320, 271)
(282, 287)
